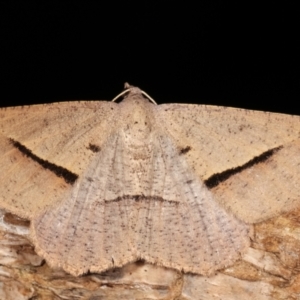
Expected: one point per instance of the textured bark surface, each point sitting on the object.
(269, 270)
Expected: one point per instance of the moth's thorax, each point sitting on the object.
(138, 120)
(136, 135)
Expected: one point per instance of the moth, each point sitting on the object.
(178, 185)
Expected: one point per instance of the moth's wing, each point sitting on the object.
(265, 189)
(174, 221)
(216, 139)
(26, 187)
(41, 141)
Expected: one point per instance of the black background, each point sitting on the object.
(232, 54)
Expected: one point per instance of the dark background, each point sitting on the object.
(242, 55)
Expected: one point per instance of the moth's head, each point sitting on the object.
(133, 92)
(136, 115)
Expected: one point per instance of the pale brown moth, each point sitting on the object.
(178, 185)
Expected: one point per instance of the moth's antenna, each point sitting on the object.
(121, 94)
(131, 88)
(150, 98)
